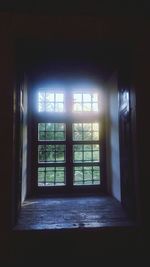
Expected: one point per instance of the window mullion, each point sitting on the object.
(68, 110)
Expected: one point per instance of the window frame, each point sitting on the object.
(68, 118)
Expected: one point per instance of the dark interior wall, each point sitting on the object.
(132, 31)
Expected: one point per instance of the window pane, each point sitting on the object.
(87, 126)
(41, 107)
(77, 107)
(42, 136)
(51, 153)
(50, 97)
(86, 175)
(41, 96)
(77, 97)
(60, 153)
(41, 126)
(49, 136)
(86, 153)
(50, 126)
(59, 126)
(51, 131)
(95, 97)
(51, 176)
(78, 175)
(59, 136)
(59, 107)
(87, 107)
(87, 135)
(95, 106)
(85, 102)
(50, 102)
(41, 175)
(86, 97)
(49, 107)
(85, 131)
(59, 97)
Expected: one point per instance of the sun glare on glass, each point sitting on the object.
(50, 101)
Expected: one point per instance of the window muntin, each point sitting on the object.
(50, 101)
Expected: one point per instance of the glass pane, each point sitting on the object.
(95, 136)
(77, 107)
(41, 96)
(41, 126)
(95, 126)
(77, 136)
(86, 97)
(42, 155)
(59, 98)
(95, 155)
(87, 147)
(77, 97)
(41, 174)
(59, 126)
(59, 136)
(60, 153)
(60, 176)
(95, 97)
(78, 174)
(96, 175)
(87, 126)
(50, 107)
(41, 107)
(49, 126)
(95, 106)
(51, 153)
(51, 176)
(87, 107)
(85, 131)
(50, 97)
(50, 102)
(59, 107)
(49, 136)
(78, 156)
(42, 136)
(77, 127)
(85, 102)
(49, 132)
(86, 175)
(86, 153)
(87, 136)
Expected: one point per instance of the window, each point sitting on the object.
(67, 148)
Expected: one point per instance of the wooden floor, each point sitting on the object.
(71, 212)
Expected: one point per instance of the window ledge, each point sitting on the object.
(72, 213)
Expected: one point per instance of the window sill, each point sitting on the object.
(88, 212)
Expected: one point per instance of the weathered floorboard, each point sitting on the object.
(71, 212)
